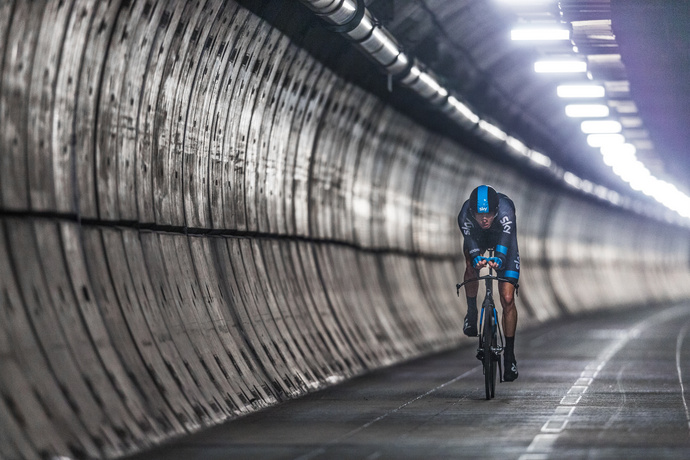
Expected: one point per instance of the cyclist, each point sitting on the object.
(487, 220)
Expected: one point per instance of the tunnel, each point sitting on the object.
(205, 214)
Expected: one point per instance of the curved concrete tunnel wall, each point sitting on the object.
(200, 220)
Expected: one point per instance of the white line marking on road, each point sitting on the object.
(621, 391)
(679, 344)
(542, 442)
(570, 400)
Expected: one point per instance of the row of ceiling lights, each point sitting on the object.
(602, 131)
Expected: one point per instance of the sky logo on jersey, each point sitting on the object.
(506, 222)
(467, 227)
(482, 199)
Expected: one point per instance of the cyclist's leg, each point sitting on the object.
(506, 290)
(510, 314)
(470, 323)
(471, 289)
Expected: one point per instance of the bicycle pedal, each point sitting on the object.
(480, 354)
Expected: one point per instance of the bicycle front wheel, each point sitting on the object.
(488, 362)
(494, 358)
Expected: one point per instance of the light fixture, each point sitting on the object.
(493, 130)
(586, 110)
(634, 173)
(618, 153)
(539, 158)
(463, 110)
(600, 140)
(539, 34)
(618, 149)
(517, 146)
(600, 127)
(560, 66)
(586, 91)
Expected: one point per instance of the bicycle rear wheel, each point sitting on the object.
(494, 359)
(488, 362)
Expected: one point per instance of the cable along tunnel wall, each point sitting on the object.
(200, 220)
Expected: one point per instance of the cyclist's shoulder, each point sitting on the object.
(464, 209)
(505, 204)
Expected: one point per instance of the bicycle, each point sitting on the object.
(489, 331)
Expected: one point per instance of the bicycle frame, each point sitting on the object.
(489, 351)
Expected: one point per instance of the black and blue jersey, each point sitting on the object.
(502, 236)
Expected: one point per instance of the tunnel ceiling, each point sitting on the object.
(466, 44)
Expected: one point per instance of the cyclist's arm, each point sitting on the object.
(508, 237)
(468, 228)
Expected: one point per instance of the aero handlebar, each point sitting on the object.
(485, 277)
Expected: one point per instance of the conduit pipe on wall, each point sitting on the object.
(352, 19)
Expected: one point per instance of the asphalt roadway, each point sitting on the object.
(608, 386)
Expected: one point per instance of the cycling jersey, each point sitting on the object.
(502, 236)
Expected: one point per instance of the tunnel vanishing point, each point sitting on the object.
(198, 219)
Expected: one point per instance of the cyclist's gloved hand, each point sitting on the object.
(497, 260)
(477, 260)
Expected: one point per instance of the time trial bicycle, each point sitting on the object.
(491, 340)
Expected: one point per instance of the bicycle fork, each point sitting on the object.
(495, 330)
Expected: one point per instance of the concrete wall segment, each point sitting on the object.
(343, 357)
(282, 304)
(6, 15)
(351, 312)
(115, 119)
(21, 36)
(208, 62)
(34, 399)
(41, 123)
(88, 83)
(148, 369)
(109, 402)
(64, 112)
(54, 342)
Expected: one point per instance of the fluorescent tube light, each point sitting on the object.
(600, 127)
(463, 110)
(588, 91)
(539, 158)
(560, 66)
(600, 140)
(539, 33)
(586, 110)
(572, 179)
(493, 130)
(518, 146)
(620, 149)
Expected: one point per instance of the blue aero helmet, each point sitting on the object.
(484, 199)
